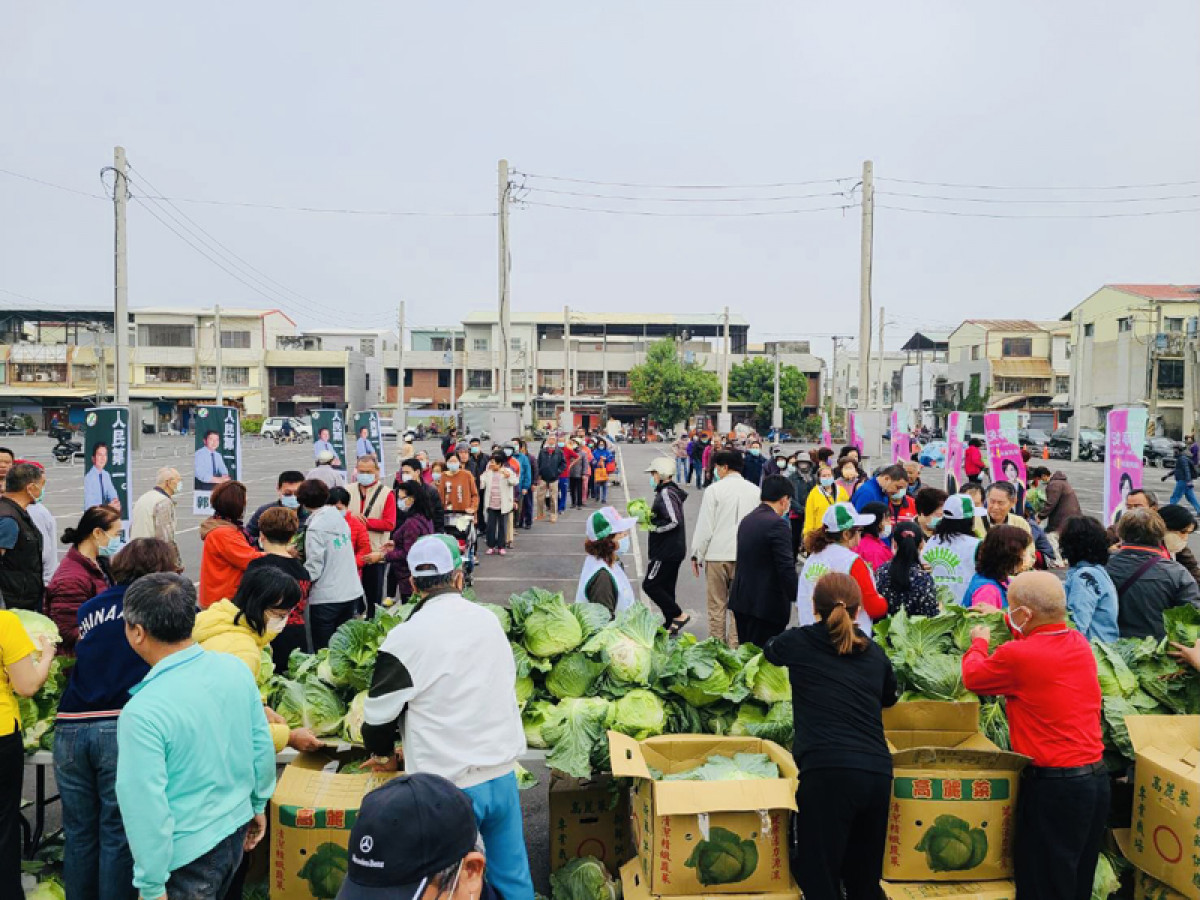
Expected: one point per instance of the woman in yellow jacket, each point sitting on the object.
(824, 494)
(245, 625)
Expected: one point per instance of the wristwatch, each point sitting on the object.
(382, 760)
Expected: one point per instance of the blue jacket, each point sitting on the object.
(1092, 600)
(195, 761)
(1183, 469)
(601, 458)
(525, 479)
(869, 491)
(106, 668)
(978, 581)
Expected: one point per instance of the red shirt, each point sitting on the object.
(973, 463)
(1053, 693)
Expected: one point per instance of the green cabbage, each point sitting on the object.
(627, 646)
(47, 889)
(768, 682)
(639, 714)
(578, 739)
(723, 858)
(500, 613)
(325, 870)
(573, 675)
(708, 674)
(1106, 881)
(353, 722)
(551, 629)
(1116, 678)
(739, 767)
(535, 718)
(592, 617)
(1182, 624)
(352, 652)
(952, 845)
(641, 510)
(36, 625)
(524, 690)
(310, 704)
(584, 878)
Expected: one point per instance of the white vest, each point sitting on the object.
(591, 565)
(834, 558)
(952, 564)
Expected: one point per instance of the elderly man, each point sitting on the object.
(375, 507)
(1148, 580)
(891, 483)
(325, 471)
(443, 681)
(1062, 807)
(21, 542)
(154, 512)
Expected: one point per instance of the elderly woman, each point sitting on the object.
(1148, 581)
(227, 548)
(603, 579)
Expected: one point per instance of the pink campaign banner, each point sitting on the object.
(1125, 440)
(901, 441)
(956, 451)
(826, 434)
(853, 437)
(1004, 447)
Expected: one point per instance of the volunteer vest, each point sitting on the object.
(376, 496)
(592, 565)
(952, 564)
(834, 558)
(21, 567)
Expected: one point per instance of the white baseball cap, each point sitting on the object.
(663, 465)
(434, 554)
(959, 507)
(325, 457)
(604, 523)
(843, 516)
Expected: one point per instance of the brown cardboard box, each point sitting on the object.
(589, 818)
(1165, 842)
(1146, 887)
(314, 806)
(949, 890)
(635, 886)
(676, 822)
(948, 779)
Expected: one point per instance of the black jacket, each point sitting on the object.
(21, 567)
(764, 583)
(667, 540)
(477, 464)
(551, 464)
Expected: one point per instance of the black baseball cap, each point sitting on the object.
(407, 831)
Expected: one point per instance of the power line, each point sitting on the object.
(51, 184)
(1039, 199)
(645, 212)
(686, 187)
(1015, 187)
(688, 199)
(971, 215)
(332, 210)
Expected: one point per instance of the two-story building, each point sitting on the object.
(844, 385)
(376, 346)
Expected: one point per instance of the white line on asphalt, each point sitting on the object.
(526, 579)
(186, 530)
(637, 543)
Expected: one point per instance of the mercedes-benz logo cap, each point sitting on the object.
(407, 831)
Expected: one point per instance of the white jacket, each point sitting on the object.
(725, 504)
(508, 481)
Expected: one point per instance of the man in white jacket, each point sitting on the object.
(726, 502)
(444, 682)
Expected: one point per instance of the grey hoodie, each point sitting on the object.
(329, 558)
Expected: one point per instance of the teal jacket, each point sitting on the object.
(195, 761)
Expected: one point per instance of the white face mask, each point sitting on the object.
(1175, 541)
(276, 625)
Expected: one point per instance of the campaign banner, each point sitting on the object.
(218, 454)
(901, 441)
(1004, 448)
(108, 459)
(853, 438)
(1125, 440)
(826, 434)
(956, 451)
(329, 433)
(368, 441)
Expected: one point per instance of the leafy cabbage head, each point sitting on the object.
(628, 645)
(578, 739)
(950, 844)
(325, 870)
(353, 722)
(573, 675)
(536, 717)
(310, 704)
(640, 714)
(551, 629)
(723, 858)
(708, 675)
(585, 878)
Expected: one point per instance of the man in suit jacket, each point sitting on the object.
(764, 585)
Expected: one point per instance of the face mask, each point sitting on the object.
(754, 451)
(826, 482)
(653, 484)
(407, 503)
(290, 502)
(716, 476)
(623, 546)
(437, 476)
(508, 451)
(1175, 541)
(366, 479)
(453, 467)
(934, 522)
(476, 449)
(276, 625)
(899, 495)
(113, 546)
(885, 532)
(407, 476)
(1016, 629)
(788, 470)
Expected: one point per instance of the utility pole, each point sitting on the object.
(920, 388)
(1153, 417)
(833, 386)
(1076, 387)
(566, 422)
(402, 410)
(121, 279)
(450, 359)
(505, 324)
(864, 296)
(776, 409)
(217, 338)
(879, 366)
(724, 421)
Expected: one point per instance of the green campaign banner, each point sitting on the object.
(108, 460)
(218, 452)
(367, 438)
(329, 433)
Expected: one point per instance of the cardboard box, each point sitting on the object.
(1165, 842)
(677, 823)
(949, 890)
(635, 886)
(948, 781)
(589, 818)
(314, 806)
(1145, 887)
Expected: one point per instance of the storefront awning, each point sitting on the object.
(1022, 368)
(1060, 400)
(1006, 402)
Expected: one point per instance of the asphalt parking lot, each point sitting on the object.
(549, 556)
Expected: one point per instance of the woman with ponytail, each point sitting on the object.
(905, 582)
(82, 575)
(841, 682)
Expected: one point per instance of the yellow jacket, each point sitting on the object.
(215, 631)
(817, 503)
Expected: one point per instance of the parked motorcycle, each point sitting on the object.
(66, 447)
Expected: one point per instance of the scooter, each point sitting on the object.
(66, 448)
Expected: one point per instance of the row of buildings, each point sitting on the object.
(55, 364)
(1123, 345)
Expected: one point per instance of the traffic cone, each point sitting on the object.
(1045, 453)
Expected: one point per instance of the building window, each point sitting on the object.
(479, 379)
(283, 377)
(1062, 384)
(618, 381)
(1125, 323)
(550, 380)
(82, 372)
(975, 351)
(1089, 329)
(408, 373)
(46, 372)
(590, 381)
(366, 346)
(1170, 374)
(231, 376)
(333, 378)
(166, 336)
(1022, 346)
(1173, 324)
(479, 344)
(516, 344)
(974, 388)
(367, 381)
(443, 378)
(168, 375)
(235, 340)
(439, 344)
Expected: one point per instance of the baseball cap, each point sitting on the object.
(662, 465)
(843, 516)
(607, 522)
(407, 831)
(434, 554)
(325, 456)
(959, 507)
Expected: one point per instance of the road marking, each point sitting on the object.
(186, 530)
(526, 579)
(637, 541)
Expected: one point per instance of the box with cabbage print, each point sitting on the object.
(315, 805)
(708, 834)
(954, 796)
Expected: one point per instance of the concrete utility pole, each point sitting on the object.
(879, 367)
(505, 324)
(1152, 422)
(776, 409)
(724, 421)
(401, 422)
(920, 387)
(217, 339)
(864, 296)
(833, 386)
(450, 360)
(121, 279)
(566, 421)
(1076, 387)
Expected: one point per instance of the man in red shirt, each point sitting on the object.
(1048, 675)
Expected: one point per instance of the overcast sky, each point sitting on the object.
(408, 107)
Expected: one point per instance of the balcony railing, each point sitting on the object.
(1170, 343)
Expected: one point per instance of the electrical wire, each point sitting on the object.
(975, 215)
(332, 210)
(685, 187)
(687, 199)
(51, 184)
(646, 212)
(1039, 199)
(1015, 187)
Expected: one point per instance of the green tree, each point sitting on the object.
(754, 381)
(671, 390)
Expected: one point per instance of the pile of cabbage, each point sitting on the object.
(38, 712)
(581, 673)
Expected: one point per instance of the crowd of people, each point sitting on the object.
(165, 754)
